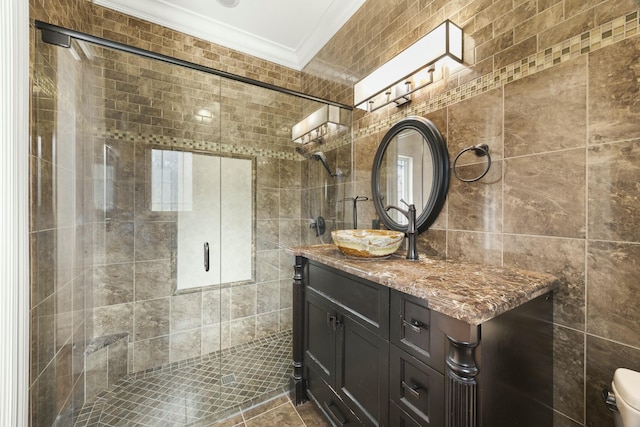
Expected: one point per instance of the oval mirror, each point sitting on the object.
(411, 166)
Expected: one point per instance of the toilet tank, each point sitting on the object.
(626, 387)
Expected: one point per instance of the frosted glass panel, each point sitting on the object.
(171, 180)
(220, 215)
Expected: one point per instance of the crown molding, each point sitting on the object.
(189, 22)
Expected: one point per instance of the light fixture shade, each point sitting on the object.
(319, 122)
(443, 41)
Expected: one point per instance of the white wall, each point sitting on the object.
(14, 171)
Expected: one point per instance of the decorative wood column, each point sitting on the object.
(461, 387)
(296, 381)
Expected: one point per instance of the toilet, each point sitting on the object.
(624, 398)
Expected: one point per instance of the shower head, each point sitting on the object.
(319, 155)
(307, 150)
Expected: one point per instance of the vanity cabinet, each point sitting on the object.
(370, 355)
(346, 347)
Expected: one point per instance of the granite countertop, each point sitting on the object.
(472, 293)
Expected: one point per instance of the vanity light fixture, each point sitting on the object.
(326, 119)
(410, 70)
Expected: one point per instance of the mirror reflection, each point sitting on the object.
(411, 167)
(406, 174)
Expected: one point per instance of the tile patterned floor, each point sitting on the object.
(278, 412)
(195, 392)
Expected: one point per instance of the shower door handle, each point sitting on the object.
(206, 256)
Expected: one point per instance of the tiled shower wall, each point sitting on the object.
(146, 104)
(60, 228)
(577, 218)
(133, 289)
(552, 88)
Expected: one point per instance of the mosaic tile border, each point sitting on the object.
(339, 140)
(191, 144)
(607, 34)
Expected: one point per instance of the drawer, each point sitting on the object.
(399, 418)
(415, 329)
(416, 388)
(331, 406)
(364, 301)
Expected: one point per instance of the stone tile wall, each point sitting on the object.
(133, 291)
(146, 104)
(60, 230)
(552, 88)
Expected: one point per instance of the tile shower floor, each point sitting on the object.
(196, 392)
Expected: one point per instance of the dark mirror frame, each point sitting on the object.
(440, 186)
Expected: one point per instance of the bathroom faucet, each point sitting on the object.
(410, 213)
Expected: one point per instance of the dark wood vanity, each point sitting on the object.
(421, 343)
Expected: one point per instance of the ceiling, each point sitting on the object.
(287, 32)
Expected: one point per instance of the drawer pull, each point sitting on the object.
(338, 418)
(415, 325)
(413, 389)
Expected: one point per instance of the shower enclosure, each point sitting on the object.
(162, 200)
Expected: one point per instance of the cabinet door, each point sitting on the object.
(320, 337)
(363, 372)
(417, 389)
(331, 406)
(399, 418)
(415, 329)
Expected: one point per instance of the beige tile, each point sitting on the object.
(186, 311)
(154, 279)
(112, 284)
(540, 22)
(155, 240)
(311, 416)
(546, 111)
(484, 248)
(267, 406)
(234, 421)
(614, 211)
(185, 345)
(613, 96)
(516, 52)
(243, 301)
(282, 416)
(563, 258)
(151, 318)
(477, 120)
(545, 194)
(613, 302)
(568, 372)
(150, 353)
(476, 206)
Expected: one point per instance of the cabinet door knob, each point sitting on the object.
(415, 325)
(413, 389)
(333, 322)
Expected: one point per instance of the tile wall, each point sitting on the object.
(129, 289)
(148, 105)
(61, 259)
(561, 196)
(552, 88)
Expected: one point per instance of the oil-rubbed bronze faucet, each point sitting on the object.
(410, 213)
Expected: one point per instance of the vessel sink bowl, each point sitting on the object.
(367, 243)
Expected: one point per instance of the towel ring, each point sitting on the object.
(480, 150)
